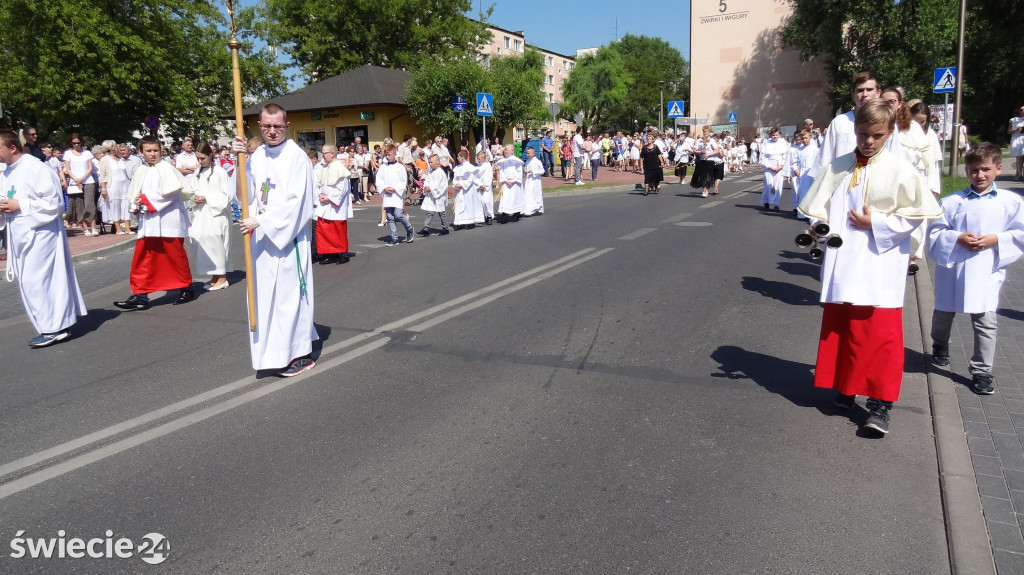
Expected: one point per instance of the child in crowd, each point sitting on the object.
(435, 195)
(774, 153)
(801, 157)
(160, 263)
(980, 233)
(873, 200)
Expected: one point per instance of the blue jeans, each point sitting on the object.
(594, 164)
(549, 162)
(578, 161)
(394, 214)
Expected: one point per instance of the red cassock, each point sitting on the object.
(860, 351)
(331, 236)
(159, 264)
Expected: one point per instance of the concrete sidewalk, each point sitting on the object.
(980, 439)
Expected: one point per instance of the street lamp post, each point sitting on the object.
(954, 153)
(661, 107)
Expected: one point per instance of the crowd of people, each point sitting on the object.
(871, 178)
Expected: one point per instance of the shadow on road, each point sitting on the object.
(790, 379)
(801, 269)
(93, 320)
(786, 293)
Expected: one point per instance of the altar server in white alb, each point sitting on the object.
(775, 160)
(840, 138)
(510, 175)
(802, 156)
(37, 246)
(279, 176)
(160, 263)
(980, 233)
(468, 211)
(435, 196)
(532, 187)
(873, 200)
(485, 185)
(333, 208)
(211, 221)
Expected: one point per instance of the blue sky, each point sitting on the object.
(564, 27)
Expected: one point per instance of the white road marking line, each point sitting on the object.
(711, 204)
(694, 224)
(678, 217)
(127, 443)
(736, 194)
(524, 284)
(63, 448)
(638, 233)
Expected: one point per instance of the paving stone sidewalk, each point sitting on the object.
(995, 424)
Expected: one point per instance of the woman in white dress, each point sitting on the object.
(114, 189)
(1016, 131)
(212, 220)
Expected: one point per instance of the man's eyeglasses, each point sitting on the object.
(76, 143)
(278, 127)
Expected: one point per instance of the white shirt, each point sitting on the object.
(187, 160)
(392, 175)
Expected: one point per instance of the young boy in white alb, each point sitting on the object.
(980, 233)
(873, 200)
(801, 158)
(435, 196)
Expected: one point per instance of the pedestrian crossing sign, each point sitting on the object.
(733, 119)
(675, 109)
(484, 104)
(945, 81)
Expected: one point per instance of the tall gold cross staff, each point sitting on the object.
(242, 186)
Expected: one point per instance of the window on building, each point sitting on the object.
(551, 79)
(498, 49)
(518, 45)
(486, 60)
(507, 40)
(551, 98)
(559, 72)
(551, 60)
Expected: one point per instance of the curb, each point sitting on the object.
(970, 550)
(116, 247)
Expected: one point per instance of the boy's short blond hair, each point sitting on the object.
(801, 133)
(876, 111)
(434, 157)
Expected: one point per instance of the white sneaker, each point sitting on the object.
(580, 183)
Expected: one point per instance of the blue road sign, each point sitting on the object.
(675, 109)
(733, 119)
(459, 104)
(945, 81)
(484, 104)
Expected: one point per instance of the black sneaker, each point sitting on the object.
(188, 294)
(424, 232)
(296, 367)
(845, 401)
(133, 303)
(940, 355)
(982, 384)
(878, 419)
(409, 239)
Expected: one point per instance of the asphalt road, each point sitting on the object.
(621, 385)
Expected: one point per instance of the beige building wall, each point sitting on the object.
(737, 65)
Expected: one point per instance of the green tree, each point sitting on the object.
(326, 38)
(100, 68)
(649, 61)
(515, 82)
(618, 86)
(433, 87)
(597, 87)
(901, 42)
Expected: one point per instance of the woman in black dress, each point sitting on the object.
(652, 162)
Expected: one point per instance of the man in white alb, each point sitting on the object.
(31, 202)
(280, 195)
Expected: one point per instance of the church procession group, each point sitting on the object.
(174, 200)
